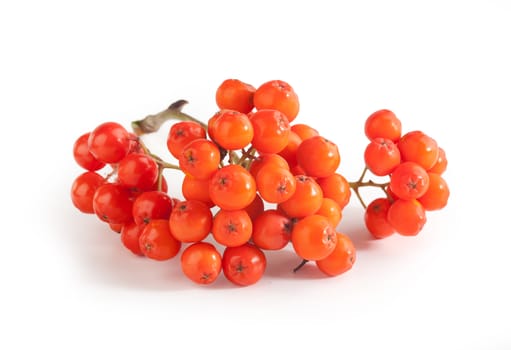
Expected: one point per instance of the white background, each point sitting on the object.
(442, 67)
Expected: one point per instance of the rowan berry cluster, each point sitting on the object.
(254, 181)
(414, 164)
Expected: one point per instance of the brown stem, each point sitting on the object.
(160, 177)
(300, 265)
(362, 175)
(356, 185)
(360, 199)
(247, 157)
(112, 173)
(369, 183)
(152, 123)
(161, 163)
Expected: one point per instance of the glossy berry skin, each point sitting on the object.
(200, 159)
(236, 95)
(304, 131)
(271, 131)
(255, 208)
(201, 263)
(383, 123)
(196, 189)
(83, 189)
(330, 210)
(181, 134)
(233, 130)
(115, 227)
(318, 157)
(232, 228)
(290, 151)
(278, 95)
(415, 146)
(113, 203)
(232, 187)
(313, 238)
(212, 124)
(306, 200)
(375, 218)
(275, 184)
(157, 243)
(341, 259)
(437, 195)
(409, 181)
(243, 265)
(109, 142)
(130, 237)
(441, 163)
(272, 230)
(407, 217)
(83, 157)
(190, 221)
(151, 205)
(382, 156)
(337, 188)
(137, 170)
(267, 159)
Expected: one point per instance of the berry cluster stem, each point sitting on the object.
(300, 265)
(356, 185)
(247, 157)
(153, 122)
(162, 165)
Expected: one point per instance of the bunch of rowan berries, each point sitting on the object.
(254, 181)
(414, 163)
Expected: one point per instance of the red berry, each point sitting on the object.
(383, 123)
(201, 262)
(243, 265)
(113, 203)
(277, 95)
(409, 181)
(109, 142)
(138, 171)
(151, 205)
(376, 218)
(236, 95)
(83, 156)
(130, 237)
(181, 134)
(318, 157)
(382, 156)
(156, 241)
(83, 189)
(415, 146)
(407, 217)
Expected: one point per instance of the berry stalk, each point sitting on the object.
(355, 186)
(153, 122)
